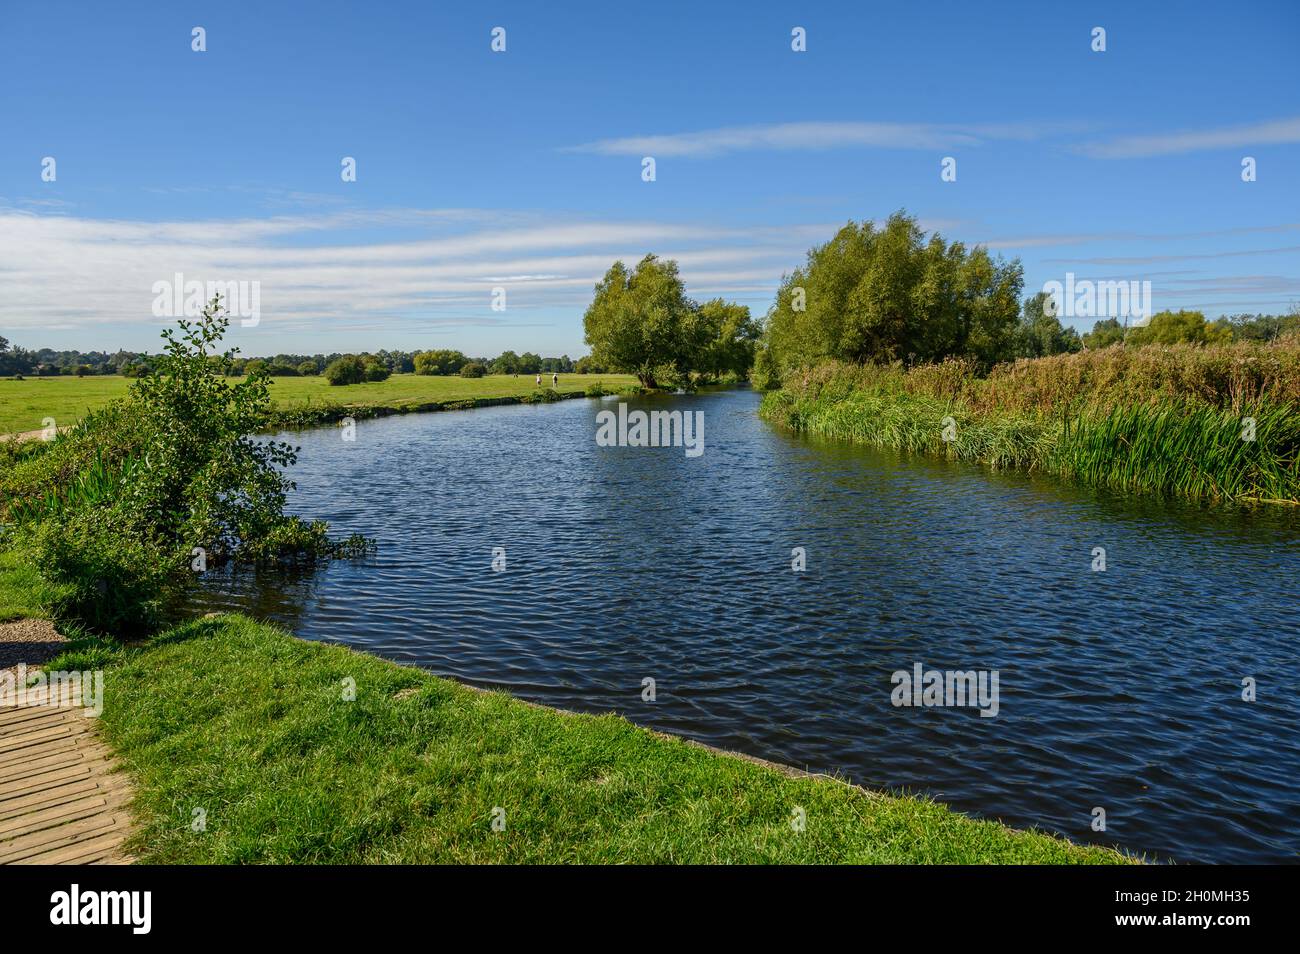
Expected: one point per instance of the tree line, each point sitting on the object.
(870, 295)
(46, 362)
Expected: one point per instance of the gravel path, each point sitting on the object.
(30, 641)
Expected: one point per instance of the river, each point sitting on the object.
(1118, 689)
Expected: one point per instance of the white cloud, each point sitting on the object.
(1183, 257)
(1271, 133)
(66, 272)
(814, 135)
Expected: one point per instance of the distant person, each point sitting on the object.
(555, 380)
(539, 379)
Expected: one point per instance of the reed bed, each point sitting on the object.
(1220, 423)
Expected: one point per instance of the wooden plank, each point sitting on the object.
(61, 802)
(24, 846)
(106, 849)
(74, 810)
(64, 758)
(56, 796)
(40, 737)
(7, 762)
(14, 718)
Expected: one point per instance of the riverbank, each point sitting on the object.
(257, 730)
(248, 745)
(1217, 424)
(25, 405)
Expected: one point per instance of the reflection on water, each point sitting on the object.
(1119, 689)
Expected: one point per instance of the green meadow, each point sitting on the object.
(25, 404)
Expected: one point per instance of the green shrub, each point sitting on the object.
(442, 361)
(106, 574)
(473, 370)
(114, 508)
(348, 369)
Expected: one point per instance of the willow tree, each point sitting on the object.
(890, 294)
(642, 323)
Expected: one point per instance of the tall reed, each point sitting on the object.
(1219, 423)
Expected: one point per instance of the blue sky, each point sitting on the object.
(522, 169)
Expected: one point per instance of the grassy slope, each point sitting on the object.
(249, 724)
(25, 404)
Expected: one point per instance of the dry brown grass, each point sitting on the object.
(1223, 376)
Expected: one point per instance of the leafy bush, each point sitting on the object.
(443, 361)
(473, 370)
(1177, 327)
(108, 573)
(376, 370)
(114, 508)
(348, 369)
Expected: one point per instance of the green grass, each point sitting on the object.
(23, 594)
(250, 725)
(25, 404)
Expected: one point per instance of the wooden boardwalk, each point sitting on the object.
(60, 801)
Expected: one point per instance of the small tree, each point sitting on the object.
(1106, 332)
(203, 478)
(508, 363)
(1177, 327)
(642, 322)
(348, 369)
(1041, 333)
(733, 336)
(444, 361)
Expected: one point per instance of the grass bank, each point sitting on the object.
(253, 727)
(24, 405)
(1197, 423)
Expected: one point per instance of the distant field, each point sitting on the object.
(25, 404)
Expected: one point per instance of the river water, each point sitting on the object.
(1118, 690)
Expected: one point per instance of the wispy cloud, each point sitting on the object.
(334, 272)
(1183, 257)
(1085, 238)
(708, 143)
(1271, 133)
